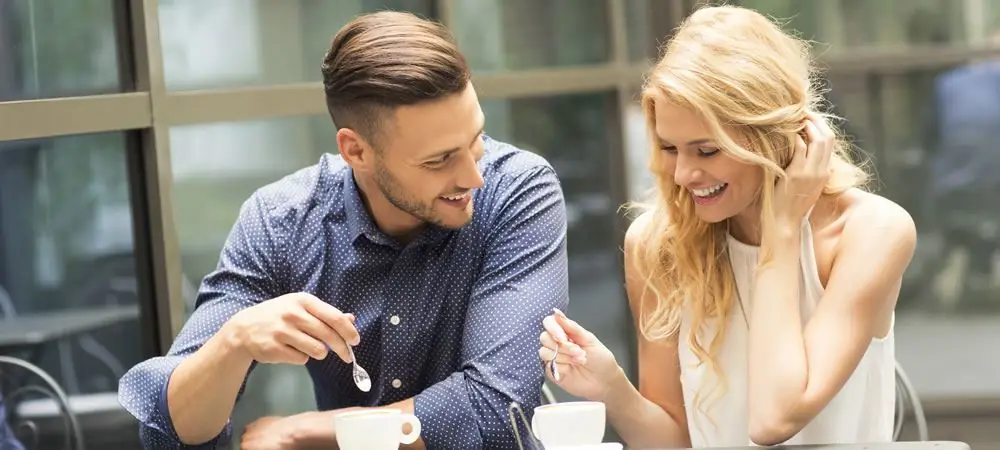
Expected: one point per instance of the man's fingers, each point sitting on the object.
(303, 343)
(314, 327)
(342, 323)
(284, 353)
(340, 348)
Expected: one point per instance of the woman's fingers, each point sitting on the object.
(569, 353)
(573, 330)
(553, 328)
(821, 141)
(562, 368)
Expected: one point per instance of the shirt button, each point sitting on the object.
(394, 320)
(396, 383)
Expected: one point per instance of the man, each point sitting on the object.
(430, 248)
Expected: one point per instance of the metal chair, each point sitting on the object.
(49, 388)
(907, 395)
(548, 398)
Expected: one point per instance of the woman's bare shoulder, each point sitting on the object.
(855, 204)
(856, 213)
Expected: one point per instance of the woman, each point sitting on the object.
(761, 276)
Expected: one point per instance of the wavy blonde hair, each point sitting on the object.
(739, 72)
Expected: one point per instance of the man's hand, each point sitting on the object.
(269, 433)
(304, 431)
(292, 328)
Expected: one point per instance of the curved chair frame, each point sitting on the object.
(906, 394)
(74, 439)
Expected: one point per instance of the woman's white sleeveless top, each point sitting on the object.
(861, 412)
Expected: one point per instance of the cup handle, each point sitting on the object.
(411, 437)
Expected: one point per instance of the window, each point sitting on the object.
(933, 134)
(69, 294)
(893, 24)
(52, 48)
(226, 43)
(501, 35)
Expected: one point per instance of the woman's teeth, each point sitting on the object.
(708, 192)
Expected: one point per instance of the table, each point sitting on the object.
(30, 331)
(930, 445)
(38, 328)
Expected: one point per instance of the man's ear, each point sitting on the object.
(354, 149)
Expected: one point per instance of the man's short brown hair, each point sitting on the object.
(383, 60)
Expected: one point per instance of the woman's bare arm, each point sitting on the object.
(652, 416)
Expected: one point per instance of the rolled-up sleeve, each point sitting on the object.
(246, 275)
(524, 275)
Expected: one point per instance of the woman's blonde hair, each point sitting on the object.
(739, 72)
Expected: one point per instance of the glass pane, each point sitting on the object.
(649, 23)
(932, 135)
(885, 23)
(53, 48)
(67, 271)
(576, 134)
(941, 162)
(498, 35)
(254, 42)
(637, 148)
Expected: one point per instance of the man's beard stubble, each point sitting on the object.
(392, 191)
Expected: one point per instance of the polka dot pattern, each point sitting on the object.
(452, 319)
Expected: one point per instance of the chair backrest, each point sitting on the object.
(547, 397)
(50, 388)
(906, 397)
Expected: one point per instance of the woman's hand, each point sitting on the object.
(585, 366)
(807, 174)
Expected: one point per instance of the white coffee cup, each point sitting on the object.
(570, 423)
(375, 429)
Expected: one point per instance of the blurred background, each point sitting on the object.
(132, 131)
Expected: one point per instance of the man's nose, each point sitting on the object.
(469, 176)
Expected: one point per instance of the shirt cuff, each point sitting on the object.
(142, 391)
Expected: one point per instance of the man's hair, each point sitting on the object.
(384, 60)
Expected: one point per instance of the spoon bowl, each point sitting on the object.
(361, 378)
